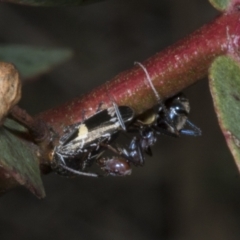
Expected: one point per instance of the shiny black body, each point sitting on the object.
(170, 118)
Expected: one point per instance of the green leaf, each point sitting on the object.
(18, 159)
(225, 88)
(221, 5)
(32, 61)
(51, 3)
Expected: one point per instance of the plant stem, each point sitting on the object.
(171, 70)
(36, 127)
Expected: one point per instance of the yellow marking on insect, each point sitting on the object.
(82, 132)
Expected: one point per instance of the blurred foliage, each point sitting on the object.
(220, 5)
(225, 88)
(52, 3)
(19, 159)
(32, 61)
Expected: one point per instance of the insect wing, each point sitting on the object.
(108, 117)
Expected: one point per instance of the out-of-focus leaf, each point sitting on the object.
(220, 5)
(52, 2)
(11, 88)
(225, 88)
(32, 61)
(18, 159)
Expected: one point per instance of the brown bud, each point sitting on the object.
(10, 88)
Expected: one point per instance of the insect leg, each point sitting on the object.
(135, 152)
(109, 147)
(75, 172)
(119, 117)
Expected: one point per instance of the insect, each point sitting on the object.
(84, 142)
(169, 118)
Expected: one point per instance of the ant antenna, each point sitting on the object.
(161, 104)
(149, 80)
(163, 107)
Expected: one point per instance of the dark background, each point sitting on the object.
(190, 189)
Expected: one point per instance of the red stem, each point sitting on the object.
(171, 70)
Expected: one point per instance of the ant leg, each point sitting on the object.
(109, 147)
(135, 154)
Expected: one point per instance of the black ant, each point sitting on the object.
(170, 119)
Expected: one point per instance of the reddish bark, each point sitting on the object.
(171, 70)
